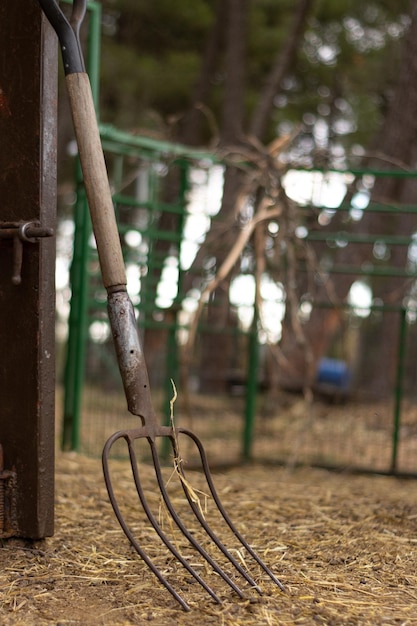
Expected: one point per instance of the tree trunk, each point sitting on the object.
(216, 355)
(217, 349)
(191, 128)
(190, 133)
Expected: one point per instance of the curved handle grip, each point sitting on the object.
(96, 181)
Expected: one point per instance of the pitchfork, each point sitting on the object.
(124, 330)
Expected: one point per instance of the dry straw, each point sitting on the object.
(344, 546)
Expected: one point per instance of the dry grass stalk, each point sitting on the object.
(178, 462)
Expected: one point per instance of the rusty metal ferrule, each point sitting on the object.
(130, 356)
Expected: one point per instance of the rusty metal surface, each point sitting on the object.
(27, 306)
(8, 517)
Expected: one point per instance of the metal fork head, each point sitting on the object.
(130, 436)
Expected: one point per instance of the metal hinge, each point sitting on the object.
(8, 524)
(21, 232)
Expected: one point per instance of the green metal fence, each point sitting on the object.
(244, 425)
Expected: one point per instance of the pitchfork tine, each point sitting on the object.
(201, 519)
(181, 526)
(152, 520)
(179, 523)
(223, 512)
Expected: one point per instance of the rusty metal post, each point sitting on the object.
(28, 65)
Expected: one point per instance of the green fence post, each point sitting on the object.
(398, 390)
(251, 388)
(78, 322)
(94, 47)
(172, 361)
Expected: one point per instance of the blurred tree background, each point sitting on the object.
(343, 68)
(339, 77)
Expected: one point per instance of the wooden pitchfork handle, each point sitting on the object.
(89, 145)
(129, 351)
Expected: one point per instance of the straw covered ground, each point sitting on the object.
(344, 546)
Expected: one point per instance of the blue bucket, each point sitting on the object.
(334, 373)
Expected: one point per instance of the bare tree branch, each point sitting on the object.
(282, 64)
(226, 267)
